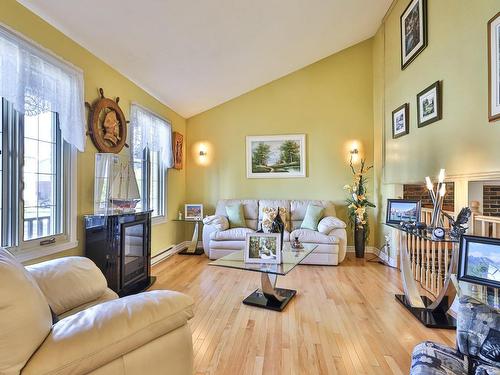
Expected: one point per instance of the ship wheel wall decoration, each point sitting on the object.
(107, 124)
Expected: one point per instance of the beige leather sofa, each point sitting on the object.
(97, 333)
(331, 239)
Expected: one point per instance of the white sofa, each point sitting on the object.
(331, 248)
(97, 333)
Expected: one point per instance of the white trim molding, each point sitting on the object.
(168, 252)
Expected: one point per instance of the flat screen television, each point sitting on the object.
(399, 210)
(479, 260)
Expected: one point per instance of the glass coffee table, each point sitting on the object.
(268, 297)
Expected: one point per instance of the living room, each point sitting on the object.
(153, 153)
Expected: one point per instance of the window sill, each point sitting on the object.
(43, 251)
(158, 220)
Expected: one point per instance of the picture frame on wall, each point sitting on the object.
(178, 150)
(264, 248)
(401, 121)
(193, 211)
(494, 68)
(413, 31)
(479, 260)
(402, 210)
(429, 105)
(276, 156)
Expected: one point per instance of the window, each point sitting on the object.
(33, 149)
(42, 124)
(152, 155)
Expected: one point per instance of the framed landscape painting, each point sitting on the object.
(263, 248)
(429, 105)
(276, 156)
(400, 121)
(413, 29)
(494, 68)
(479, 260)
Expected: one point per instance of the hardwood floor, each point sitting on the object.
(344, 320)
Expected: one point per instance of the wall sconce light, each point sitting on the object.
(354, 151)
(203, 153)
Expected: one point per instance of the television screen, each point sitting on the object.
(479, 260)
(399, 210)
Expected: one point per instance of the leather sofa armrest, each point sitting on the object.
(215, 223)
(100, 334)
(341, 234)
(329, 223)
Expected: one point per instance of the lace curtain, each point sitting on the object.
(35, 81)
(149, 130)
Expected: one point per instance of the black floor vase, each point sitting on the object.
(359, 241)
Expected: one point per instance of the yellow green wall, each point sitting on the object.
(98, 74)
(330, 101)
(463, 142)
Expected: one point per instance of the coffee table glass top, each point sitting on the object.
(290, 258)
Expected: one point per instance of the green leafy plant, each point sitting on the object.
(357, 203)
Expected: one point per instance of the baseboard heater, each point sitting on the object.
(162, 255)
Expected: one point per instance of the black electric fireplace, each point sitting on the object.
(120, 245)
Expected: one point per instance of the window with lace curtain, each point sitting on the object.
(41, 126)
(151, 139)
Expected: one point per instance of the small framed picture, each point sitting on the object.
(399, 210)
(400, 121)
(263, 248)
(494, 68)
(429, 105)
(193, 211)
(413, 31)
(479, 260)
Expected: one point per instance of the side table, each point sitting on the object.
(192, 248)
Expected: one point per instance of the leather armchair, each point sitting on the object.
(97, 333)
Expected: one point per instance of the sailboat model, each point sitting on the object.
(124, 192)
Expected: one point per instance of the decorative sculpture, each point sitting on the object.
(107, 124)
(458, 226)
(278, 226)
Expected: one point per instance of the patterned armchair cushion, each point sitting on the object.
(433, 359)
(478, 331)
(487, 370)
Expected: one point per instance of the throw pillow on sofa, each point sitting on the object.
(312, 217)
(269, 214)
(236, 216)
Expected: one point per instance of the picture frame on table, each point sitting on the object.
(401, 121)
(264, 248)
(479, 260)
(193, 211)
(429, 105)
(276, 156)
(413, 31)
(494, 68)
(402, 210)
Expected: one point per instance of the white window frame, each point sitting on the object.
(32, 249)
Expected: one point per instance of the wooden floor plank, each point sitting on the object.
(344, 320)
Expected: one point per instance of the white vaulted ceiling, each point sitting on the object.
(195, 54)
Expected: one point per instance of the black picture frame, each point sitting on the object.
(391, 202)
(408, 56)
(438, 106)
(463, 260)
(406, 108)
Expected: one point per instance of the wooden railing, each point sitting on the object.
(429, 260)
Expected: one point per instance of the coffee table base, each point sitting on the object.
(258, 299)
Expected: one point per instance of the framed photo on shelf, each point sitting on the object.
(276, 156)
(429, 105)
(401, 121)
(263, 248)
(193, 211)
(494, 68)
(399, 210)
(479, 261)
(413, 31)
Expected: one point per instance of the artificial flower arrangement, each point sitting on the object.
(357, 203)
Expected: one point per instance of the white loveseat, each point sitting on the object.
(97, 333)
(332, 242)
